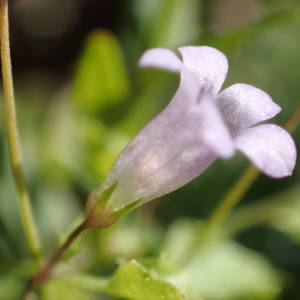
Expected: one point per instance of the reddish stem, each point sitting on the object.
(44, 274)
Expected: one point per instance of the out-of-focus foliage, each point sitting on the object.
(132, 281)
(100, 80)
(72, 132)
(233, 40)
(201, 267)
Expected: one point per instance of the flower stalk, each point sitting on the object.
(44, 274)
(15, 154)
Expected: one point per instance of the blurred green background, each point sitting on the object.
(81, 97)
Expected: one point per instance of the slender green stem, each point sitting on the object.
(13, 138)
(232, 197)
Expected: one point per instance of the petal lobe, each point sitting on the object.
(161, 58)
(208, 64)
(270, 148)
(243, 106)
(213, 130)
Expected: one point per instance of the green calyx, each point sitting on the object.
(98, 215)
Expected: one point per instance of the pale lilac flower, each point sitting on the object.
(199, 125)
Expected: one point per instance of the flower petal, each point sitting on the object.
(270, 148)
(209, 65)
(243, 106)
(213, 130)
(203, 114)
(161, 58)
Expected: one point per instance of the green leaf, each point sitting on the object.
(236, 271)
(100, 77)
(132, 281)
(217, 269)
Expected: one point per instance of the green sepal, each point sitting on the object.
(99, 216)
(128, 207)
